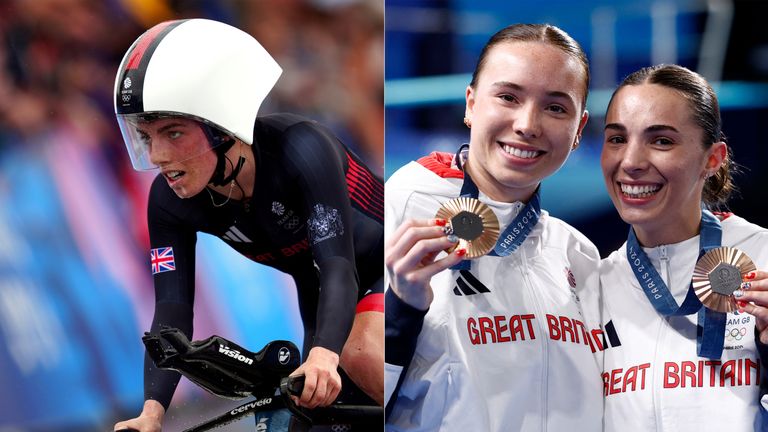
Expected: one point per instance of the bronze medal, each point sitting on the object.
(718, 274)
(473, 222)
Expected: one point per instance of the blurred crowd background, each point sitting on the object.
(432, 48)
(75, 287)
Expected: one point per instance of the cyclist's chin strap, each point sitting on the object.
(218, 179)
(221, 143)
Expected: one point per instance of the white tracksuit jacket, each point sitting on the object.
(505, 346)
(653, 379)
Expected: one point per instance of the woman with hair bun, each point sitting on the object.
(682, 306)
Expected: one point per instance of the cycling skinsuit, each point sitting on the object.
(316, 214)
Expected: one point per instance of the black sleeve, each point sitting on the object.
(402, 326)
(318, 161)
(762, 351)
(174, 280)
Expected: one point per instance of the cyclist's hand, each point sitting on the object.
(410, 258)
(150, 420)
(322, 382)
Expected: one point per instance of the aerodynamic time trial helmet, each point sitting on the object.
(201, 69)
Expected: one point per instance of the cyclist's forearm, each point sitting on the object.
(159, 385)
(336, 305)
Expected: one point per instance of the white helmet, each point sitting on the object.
(202, 69)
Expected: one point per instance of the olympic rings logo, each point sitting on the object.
(735, 334)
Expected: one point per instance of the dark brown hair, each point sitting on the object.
(706, 113)
(535, 33)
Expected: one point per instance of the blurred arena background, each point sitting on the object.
(432, 47)
(75, 287)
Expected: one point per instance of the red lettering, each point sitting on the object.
(554, 330)
(301, 246)
(528, 318)
(262, 257)
(295, 248)
(615, 379)
(726, 372)
(486, 327)
(712, 370)
(496, 329)
(516, 326)
(579, 326)
(688, 371)
(597, 336)
(629, 378)
(643, 367)
(671, 377)
(566, 327)
(474, 336)
(501, 327)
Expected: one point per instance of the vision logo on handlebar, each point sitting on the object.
(221, 366)
(235, 354)
(265, 377)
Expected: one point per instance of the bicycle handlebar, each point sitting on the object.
(229, 370)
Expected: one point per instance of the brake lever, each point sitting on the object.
(292, 386)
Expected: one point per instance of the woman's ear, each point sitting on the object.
(717, 155)
(470, 105)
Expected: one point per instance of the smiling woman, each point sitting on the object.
(467, 345)
(684, 356)
(540, 86)
(655, 164)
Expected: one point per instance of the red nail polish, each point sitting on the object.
(440, 222)
(461, 252)
(751, 275)
(741, 303)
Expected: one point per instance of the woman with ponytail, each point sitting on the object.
(683, 309)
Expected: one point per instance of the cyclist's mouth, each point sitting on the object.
(173, 176)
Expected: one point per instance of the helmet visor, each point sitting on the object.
(177, 138)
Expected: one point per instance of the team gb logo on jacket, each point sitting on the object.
(572, 284)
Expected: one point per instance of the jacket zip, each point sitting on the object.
(544, 336)
(663, 325)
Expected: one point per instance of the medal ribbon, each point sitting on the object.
(711, 331)
(516, 232)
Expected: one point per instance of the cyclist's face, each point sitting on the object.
(181, 150)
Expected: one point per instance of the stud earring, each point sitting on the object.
(575, 144)
(468, 122)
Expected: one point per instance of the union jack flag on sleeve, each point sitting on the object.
(162, 260)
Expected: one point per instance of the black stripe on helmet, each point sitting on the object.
(129, 95)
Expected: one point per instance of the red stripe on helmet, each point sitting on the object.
(143, 43)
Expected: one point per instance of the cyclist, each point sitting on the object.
(280, 189)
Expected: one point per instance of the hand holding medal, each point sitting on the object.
(411, 259)
(472, 223)
(752, 298)
(718, 274)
